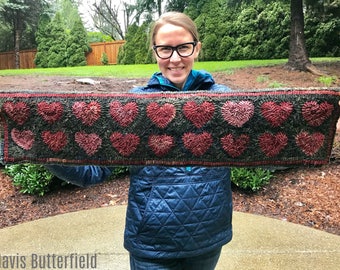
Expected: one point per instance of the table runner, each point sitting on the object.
(239, 128)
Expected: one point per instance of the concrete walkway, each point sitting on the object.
(93, 239)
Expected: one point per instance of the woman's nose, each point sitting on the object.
(175, 56)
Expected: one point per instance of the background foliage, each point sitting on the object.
(229, 29)
(236, 30)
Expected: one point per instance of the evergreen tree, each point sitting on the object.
(21, 19)
(57, 55)
(44, 41)
(142, 45)
(77, 45)
(127, 52)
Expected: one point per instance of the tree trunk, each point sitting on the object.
(298, 56)
(17, 48)
(159, 7)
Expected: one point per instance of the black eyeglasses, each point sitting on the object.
(183, 50)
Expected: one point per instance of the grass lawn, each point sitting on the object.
(146, 70)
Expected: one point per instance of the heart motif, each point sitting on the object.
(161, 115)
(123, 114)
(161, 144)
(199, 114)
(309, 143)
(233, 145)
(50, 112)
(87, 113)
(18, 112)
(90, 143)
(315, 114)
(197, 144)
(276, 114)
(55, 141)
(237, 113)
(24, 139)
(272, 144)
(125, 144)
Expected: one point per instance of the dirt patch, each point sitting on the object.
(305, 195)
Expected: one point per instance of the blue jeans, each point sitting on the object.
(206, 261)
(82, 176)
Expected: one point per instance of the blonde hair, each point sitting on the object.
(174, 18)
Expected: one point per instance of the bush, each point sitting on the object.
(32, 179)
(119, 171)
(104, 59)
(37, 180)
(250, 179)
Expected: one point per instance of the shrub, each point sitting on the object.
(36, 180)
(32, 179)
(119, 171)
(104, 59)
(250, 179)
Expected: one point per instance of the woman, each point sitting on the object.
(177, 217)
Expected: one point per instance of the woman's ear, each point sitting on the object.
(198, 49)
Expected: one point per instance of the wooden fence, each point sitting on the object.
(7, 59)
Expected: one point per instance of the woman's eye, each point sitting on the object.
(183, 48)
(165, 49)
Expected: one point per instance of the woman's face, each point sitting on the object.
(175, 68)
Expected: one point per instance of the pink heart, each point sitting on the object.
(24, 139)
(197, 144)
(272, 144)
(315, 114)
(198, 114)
(161, 115)
(50, 112)
(89, 142)
(18, 112)
(125, 144)
(87, 113)
(237, 113)
(309, 143)
(233, 145)
(55, 141)
(123, 114)
(276, 114)
(161, 144)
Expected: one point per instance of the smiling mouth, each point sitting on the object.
(176, 68)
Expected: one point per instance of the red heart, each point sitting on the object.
(198, 144)
(237, 113)
(233, 145)
(161, 115)
(18, 112)
(88, 113)
(125, 144)
(50, 112)
(89, 142)
(198, 114)
(24, 139)
(315, 114)
(309, 143)
(55, 141)
(271, 144)
(161, 144)
(276, 114)
(124, 115)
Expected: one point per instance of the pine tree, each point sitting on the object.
(77, 45)
(57, 55)
(43, 40)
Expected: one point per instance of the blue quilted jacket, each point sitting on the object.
(176, 212)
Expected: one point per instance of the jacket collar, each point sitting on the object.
(197, 80)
